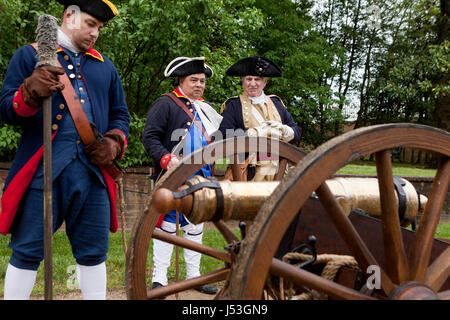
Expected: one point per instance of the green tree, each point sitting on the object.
(410, 77)
(147, 35)
(291, 40)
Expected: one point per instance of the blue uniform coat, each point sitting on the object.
(164, 117)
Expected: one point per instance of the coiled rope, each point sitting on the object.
(333, 263)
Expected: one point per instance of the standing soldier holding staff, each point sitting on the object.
(84, 192)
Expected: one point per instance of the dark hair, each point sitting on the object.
(62, 14)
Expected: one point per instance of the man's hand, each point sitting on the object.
(265, 130)
(287, 133)
(105, 150)
(173, 162)
(42, 83)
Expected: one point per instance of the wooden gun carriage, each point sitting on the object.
(307, 220)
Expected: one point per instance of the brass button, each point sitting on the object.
(188, 123)
(55, 127)
(81, 89)
(16, 105)
(70, 67)
(15, 94)
(74, 157)
(82, 101)
(58, 117)
(78, 65)
(79, 77)
(78, 141)
(186, 130)
(72, 76)
(191, 110)
(188, 103)
(76, 55)
(62, 106)
(66, 58)
(246, 120)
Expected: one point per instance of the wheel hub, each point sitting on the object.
(413, 291)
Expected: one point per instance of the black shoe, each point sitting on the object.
(156, 285)
(207, 288)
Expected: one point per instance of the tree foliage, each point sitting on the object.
(387, 61)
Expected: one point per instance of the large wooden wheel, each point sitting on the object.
(144, 228)
(407, 274)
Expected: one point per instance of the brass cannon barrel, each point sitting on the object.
(202, 200)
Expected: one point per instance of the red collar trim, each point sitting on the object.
(94, 53)
(91, 52)
(178, 93)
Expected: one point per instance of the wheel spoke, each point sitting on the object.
(421, 248)
(304, 278)
(191, 245)
(350, 235)
(439, 271)
(237, 169)
(215, 276)
(225, 231)
(394, 250)
(281, 169)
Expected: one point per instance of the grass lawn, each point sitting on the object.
(398, 169)
(63, 261)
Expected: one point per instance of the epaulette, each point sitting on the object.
(275, 96)
(222, 107)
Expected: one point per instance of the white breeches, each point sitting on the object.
(162, 252)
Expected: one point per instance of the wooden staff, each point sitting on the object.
(47, 39)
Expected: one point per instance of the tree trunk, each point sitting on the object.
(442, 112)
(360, 121)
(355, 35)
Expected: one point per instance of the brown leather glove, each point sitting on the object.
(42, 83)
(107, 149)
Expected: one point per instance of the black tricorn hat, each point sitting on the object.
(184, 66)
(103, 10)
(254, 66)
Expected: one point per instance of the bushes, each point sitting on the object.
(9, 140)
(135, 154)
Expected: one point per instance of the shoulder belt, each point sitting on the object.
(190, 115)
(79, 117)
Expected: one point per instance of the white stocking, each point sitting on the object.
(19, 283)
(92, 281)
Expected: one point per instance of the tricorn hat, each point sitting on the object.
(184, 66)
(103, 10)
(254, 66)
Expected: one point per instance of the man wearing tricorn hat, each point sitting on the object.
(177, 124)
(258, 114)
(83, 192)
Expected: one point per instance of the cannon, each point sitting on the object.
(203, 200)
(307, 211)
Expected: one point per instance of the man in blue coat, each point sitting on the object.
(172, 131)
(257, 114)
(83, 192)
